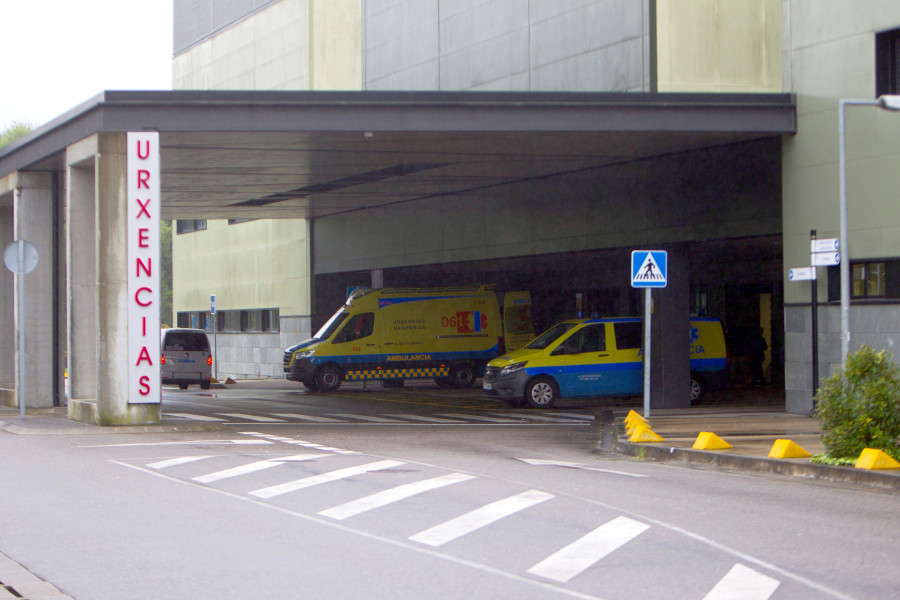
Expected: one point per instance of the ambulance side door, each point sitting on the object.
(587, 361)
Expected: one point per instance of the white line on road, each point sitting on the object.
(186, 443)
(367, 418)
(174, 462)
(257, 418)
(194, 417)
(306, 482)
(480, 517)
(479, 418)
(254, 467)
(434, 420)
(312, 418)
(743, 583)
(568, 562)
(575, 465)
(383, 498)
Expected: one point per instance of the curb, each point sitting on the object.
(761, 465)
(64, 426)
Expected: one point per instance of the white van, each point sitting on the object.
(185, 357)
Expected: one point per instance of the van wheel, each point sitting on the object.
(697, 387)
(204, 384)
(311, 385)
(182, 386)
(329, 378)
(462, 376)
(541, 393)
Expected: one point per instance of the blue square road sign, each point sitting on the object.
(649, 268)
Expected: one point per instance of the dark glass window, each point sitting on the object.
(189, 225)
(628, 335)
(887, 62)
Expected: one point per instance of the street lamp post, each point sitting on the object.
(887, 102)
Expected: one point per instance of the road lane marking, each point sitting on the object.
(299, 484)
(254, 467)
(435, 420)
(257, 418)
(383, 498)
(194, 417)
(575, 465)
(568, 562)
(480, 517)
(367, 418)
(312, 418)
(185, 443)
(743, 583)
(541, 418)
(479, 418)
(174, 462)
(580, 416)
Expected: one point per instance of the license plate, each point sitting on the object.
(487, 386)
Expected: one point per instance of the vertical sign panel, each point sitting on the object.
(143, 268)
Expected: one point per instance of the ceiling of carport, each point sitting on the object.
(313, 154)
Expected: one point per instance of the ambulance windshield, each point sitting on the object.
(331, 326)
(550, 336)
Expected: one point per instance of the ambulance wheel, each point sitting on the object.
(182, 386)
(329, 378)
(697, 387)
(462, 375)
(541, 393)
(310, 385)
(204, 384)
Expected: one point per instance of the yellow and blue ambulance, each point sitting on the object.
(392, 334)
(597, 357)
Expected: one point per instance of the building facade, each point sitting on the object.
(740, 215)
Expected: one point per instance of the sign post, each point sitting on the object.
(212, 314)
(21, 257)
(823, 253)
(649, 269)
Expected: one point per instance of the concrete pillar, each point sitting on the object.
(670, 377)
(110, 406)
(7, 300)
(34, 210)
(81, 265)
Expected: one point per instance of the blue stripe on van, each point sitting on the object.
(708, 364)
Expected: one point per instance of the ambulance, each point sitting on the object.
(597, 357)
(392, 334)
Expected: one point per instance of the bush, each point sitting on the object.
(860, 406)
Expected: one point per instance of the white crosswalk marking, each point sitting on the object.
(299, 484)
(396, 494)
(312, 418)
(479, 418)
(743, 583)
(435, 420)
(478, 518)
(577, 416)
(258, 418)
(367, 418)
(568, 562)
(194, 417)
(174, 462)
(254, 467)
(539, 418)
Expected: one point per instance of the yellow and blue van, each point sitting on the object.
(392, 334)
(597, 357)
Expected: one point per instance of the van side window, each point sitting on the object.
(357, 326)
(628, 335)
(589, 339)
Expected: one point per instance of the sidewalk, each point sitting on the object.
(751, 431)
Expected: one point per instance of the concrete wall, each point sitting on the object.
(255, 264)
(544, 45)
(719, 45)
(730, 192)
(829, 55)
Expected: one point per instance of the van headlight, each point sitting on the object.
(303, 354)
(510, 369)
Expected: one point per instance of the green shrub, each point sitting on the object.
(860, 406)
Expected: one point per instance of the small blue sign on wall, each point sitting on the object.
(649, 268)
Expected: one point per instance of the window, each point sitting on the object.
(868, 280)
(887, 62)
(357, 327)
(590, 339)
(874, 279)
(189, 225)
(699, 295)
(628, 335)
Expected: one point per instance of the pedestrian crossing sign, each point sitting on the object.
(649, 268)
